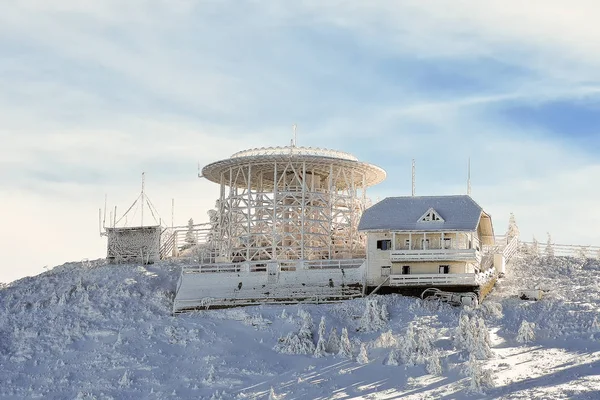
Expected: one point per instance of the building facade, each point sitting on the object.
(428, 241)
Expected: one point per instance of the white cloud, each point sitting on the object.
(101, 91)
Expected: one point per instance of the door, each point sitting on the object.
(444, 269)
(406, 270)
(425, 244)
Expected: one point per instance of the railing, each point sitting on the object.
(434, 255)
(568, 250)
(432, 279)
(511, 248)
(261, 266)
(309, 151)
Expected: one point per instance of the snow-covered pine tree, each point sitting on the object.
(595, 326)
(549, 250)
(190, 235)
(322, 328)
(434, 366)
(345, 345)
(321, 349)
(479, 378)
(363, 357)
(526, 332)
(483, 344)
(535, 247)
(513, 229)
(374, 317)
(472, 335)
(393, 358)
(333, 342)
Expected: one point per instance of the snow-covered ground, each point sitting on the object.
(90, 330)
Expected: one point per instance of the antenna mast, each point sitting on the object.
(295, 137)
(143, 196)
(469, 178)
(413, 177)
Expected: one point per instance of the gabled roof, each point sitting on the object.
(459, 213)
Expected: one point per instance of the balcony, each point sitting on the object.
(432, 280)
(435, 255)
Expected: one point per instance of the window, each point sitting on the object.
(385, 270)
(444, 269)
(384, 244)
(406, 270)
(407, 243)
(431, 216)
(447, 243)
(425, 244)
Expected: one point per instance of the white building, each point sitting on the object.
(428, 241)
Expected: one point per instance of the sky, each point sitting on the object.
(92, 94)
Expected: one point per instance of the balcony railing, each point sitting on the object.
(432, 279)
(435, 255)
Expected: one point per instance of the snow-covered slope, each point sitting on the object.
(103, 331)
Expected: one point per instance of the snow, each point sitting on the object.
(97, 331)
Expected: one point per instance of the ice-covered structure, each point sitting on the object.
(285, 228)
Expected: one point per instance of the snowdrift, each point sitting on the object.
(97, 331)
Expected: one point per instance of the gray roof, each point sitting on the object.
(460, 213)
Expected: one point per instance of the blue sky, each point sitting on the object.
(91, 95)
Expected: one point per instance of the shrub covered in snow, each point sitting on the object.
(386, 340)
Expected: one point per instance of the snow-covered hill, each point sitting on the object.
(103, 331)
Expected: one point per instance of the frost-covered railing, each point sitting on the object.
(305, 151)
(263, 266)
(567, 250)
(511, 248)
(432, 279)
(433, 255)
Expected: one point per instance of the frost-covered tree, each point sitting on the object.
(513, 229)
(416, 346)
(321, 348)
(473, 336)
(211, 375)
(479, 378)
(535, 247)
(125, 380)
(345, 345)
(526, 332)
(595, 326)
(321, 331)
(394, 357)
(549, 250)
(190, 235)
(300, 342)
(375, 316)
(434, 366)
(333, 342)
(363, 357)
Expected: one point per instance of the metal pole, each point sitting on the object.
(469, 178)
(142, 195)
(413, 177)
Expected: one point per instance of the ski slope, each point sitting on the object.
(96, 331)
